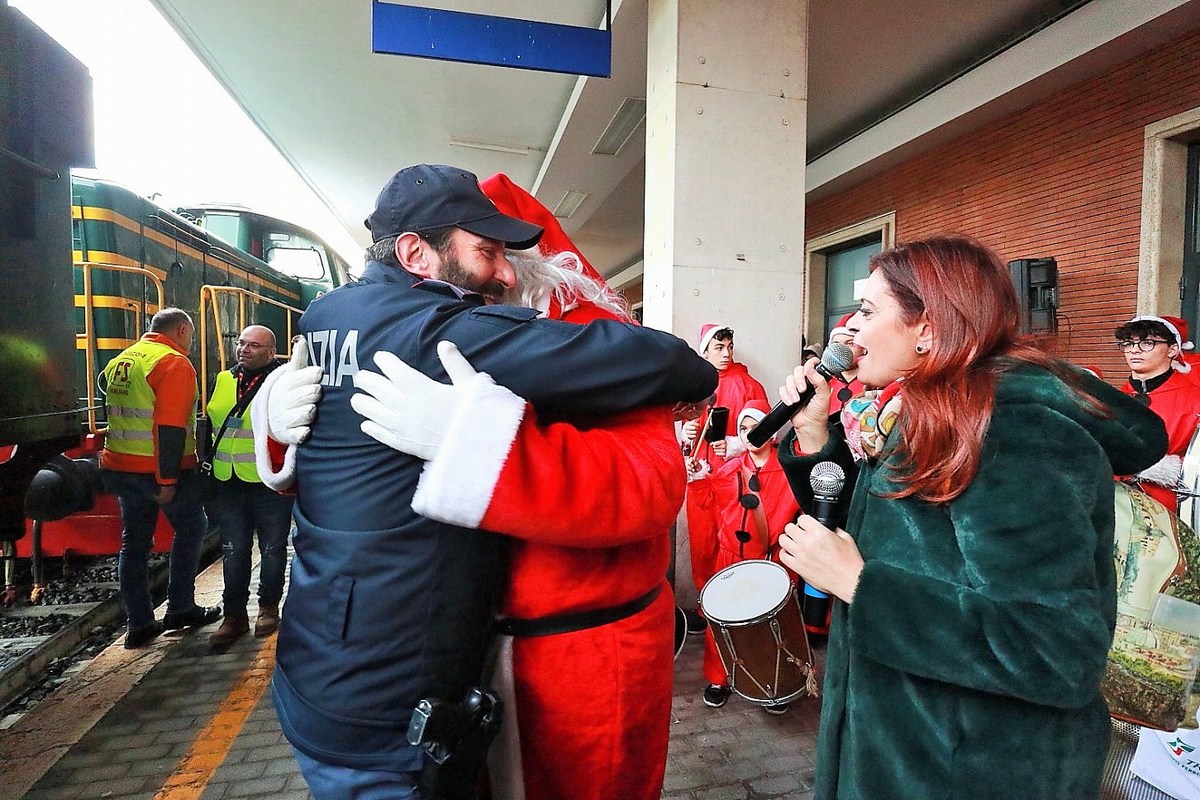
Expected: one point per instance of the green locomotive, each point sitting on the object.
(225, 265)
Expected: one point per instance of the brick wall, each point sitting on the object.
(1061, 178)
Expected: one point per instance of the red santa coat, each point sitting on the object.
(735, 388)
(591, 511)
(1178, 403)
(719, 493)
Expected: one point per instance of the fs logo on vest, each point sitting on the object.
(336, 352)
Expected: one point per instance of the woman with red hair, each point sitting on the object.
(974, 581)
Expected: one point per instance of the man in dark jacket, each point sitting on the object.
(385, 607)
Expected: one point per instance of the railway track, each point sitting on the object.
(77, 615)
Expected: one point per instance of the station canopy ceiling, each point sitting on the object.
(347, 118)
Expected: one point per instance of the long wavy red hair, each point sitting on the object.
(965, 291)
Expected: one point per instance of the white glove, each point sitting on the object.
(292, 392)
(1165, 472)
(407, 410)
(734, 447)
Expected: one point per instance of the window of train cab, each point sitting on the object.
(305, 259)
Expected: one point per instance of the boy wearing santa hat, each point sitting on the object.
(735, 388)
(1153, 347)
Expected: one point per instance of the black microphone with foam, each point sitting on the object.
(836, 359)
(827, 480)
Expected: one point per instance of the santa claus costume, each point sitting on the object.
(591, 511)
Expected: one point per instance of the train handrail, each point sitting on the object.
(210, 293)
(89, 327)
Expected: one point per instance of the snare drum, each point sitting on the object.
(755, 619)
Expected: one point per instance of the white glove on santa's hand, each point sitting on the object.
(409, 411)
(291, 394)
(697, 469)
(1165, 472)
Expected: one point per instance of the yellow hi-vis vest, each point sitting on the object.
(130, 401)
(235, 451)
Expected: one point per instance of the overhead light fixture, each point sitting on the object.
(495, 147)
(629, 116)
(569, 204)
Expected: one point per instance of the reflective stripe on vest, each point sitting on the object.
(235, 451)
(130, 401)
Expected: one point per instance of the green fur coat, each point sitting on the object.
(968, 664)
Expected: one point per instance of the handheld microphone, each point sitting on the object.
(827, 480)
(836, 359)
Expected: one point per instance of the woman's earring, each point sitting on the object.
(922, 349)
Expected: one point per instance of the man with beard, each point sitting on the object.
(386, 607)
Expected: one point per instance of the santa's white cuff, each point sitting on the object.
(456, 487)
(285, 478)
(734, 446)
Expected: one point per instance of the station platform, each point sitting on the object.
(175, 721)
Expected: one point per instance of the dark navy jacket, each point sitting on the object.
(386, 607)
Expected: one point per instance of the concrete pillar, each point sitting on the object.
(725, 143)
(727, 102)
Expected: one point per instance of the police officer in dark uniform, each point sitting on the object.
(386, 608)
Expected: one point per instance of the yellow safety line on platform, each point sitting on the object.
(213, 743)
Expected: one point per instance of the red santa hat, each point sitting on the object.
(708, 331)
(1179, 329)
(843, 326)
(514, 201)
(754, 409)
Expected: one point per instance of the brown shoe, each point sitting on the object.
(233, 627)
(267, 621)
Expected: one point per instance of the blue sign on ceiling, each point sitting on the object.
(480, 39)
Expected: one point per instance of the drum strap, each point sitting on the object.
(575, 620)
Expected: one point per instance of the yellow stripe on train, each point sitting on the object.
(103, 343)
(108, 215)
(115, 301)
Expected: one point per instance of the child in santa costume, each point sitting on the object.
(846, 385)
(735, 388)
(1153, 348)
(753, 502)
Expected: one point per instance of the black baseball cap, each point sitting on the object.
(428, 196)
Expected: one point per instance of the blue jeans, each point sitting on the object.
(330, 782)
(242, 508)
(139, 513)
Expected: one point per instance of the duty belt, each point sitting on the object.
(575, 620)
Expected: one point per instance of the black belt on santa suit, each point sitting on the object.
(575, 620)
